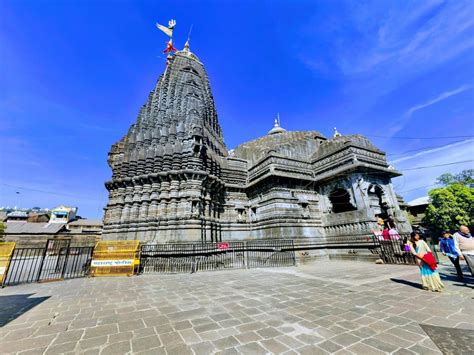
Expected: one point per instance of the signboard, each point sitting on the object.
(115, 258)
(223, 246)
(102, 263)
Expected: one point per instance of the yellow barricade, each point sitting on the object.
(115, 258)
(6, 252)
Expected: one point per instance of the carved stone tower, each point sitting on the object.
(165, 170)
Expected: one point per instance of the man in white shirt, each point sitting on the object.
(464, 245)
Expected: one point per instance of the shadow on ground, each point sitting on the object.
(15, 305)
(466, 282)
(451, 340)
(406, 282)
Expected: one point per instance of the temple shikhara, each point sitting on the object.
(173, 179)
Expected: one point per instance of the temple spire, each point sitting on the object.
(276, 126)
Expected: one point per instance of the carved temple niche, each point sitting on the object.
(253, 214)
(241, 214)
(341, 201)
(304, 205)
(377, 200)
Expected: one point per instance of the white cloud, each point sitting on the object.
(384, 45)
(458, 145)
(416, 183)
(414, 38)
(441, 97)
(398, 125)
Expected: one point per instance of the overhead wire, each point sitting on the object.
(44, 191)
(438, 137)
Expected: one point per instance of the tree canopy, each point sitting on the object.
(450, 207)
(465, 177)
(2, 231)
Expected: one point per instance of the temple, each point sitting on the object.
(173, 178)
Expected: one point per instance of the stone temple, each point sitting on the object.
(173, 178)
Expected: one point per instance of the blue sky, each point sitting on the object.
(73, 75)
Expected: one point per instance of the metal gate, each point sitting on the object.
(270, 253)
(54, 262)
(181, 257)
(392, 251)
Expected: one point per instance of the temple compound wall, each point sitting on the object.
(173, 178)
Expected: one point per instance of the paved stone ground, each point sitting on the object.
(324, 307)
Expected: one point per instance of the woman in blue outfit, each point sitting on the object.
(430, 279)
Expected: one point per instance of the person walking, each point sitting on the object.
(464, 246)
(425, 260)
(447, 247)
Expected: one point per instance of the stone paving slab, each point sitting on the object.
(324, 307)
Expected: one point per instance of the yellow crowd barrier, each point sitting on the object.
(6, 252)
(115, 258)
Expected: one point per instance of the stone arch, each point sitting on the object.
(377, 200)
(341, 201)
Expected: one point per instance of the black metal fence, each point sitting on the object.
(57, 261)
(394, 250)
(24, 265)
(180, 257)
(270, 253)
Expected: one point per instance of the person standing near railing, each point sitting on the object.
(427, 263)
(448, 248)
(464, 245)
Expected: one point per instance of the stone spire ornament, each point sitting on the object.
(336, 133)
(276, 126)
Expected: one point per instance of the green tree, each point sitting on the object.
(465, 177)
(450, 207)
(2, 231)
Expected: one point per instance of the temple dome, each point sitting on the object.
(291, 144)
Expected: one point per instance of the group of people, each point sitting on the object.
(387, 230)
(457, 247)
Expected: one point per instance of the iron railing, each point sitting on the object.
(181, 257)
(24, 265)
(58, 260)
(270, 253)
(42, 264)
(392, 251)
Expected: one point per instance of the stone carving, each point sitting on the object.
(173, 178)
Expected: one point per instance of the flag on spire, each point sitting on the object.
(169, 47)
(169, 32)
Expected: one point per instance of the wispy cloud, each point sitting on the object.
(405, 118)
(416, 183)
(441, 97)
(468, 143)
(392, 41)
